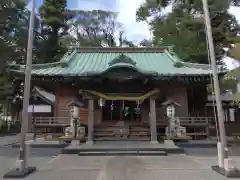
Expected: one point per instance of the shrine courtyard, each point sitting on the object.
(174, 167)
(123, 94)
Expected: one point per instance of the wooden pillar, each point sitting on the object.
(207, 128)
(153, 119)
(90, 120)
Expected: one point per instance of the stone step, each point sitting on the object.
(124, 153)
(139, 133)
(131, 138)
(139, 130)
(137, 138)
(102, 135)
(109, 133)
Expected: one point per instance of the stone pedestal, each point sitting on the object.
(75, 142)
(174, 129)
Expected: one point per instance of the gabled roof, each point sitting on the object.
(46, 96)
(75, 103)
(95, 61)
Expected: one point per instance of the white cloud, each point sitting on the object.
(29, 5)
(235, 11)
(231, 63)
(135, 31)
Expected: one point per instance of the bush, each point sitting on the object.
(14, 128)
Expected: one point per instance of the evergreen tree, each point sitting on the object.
(11, 19)
(54, 16)
(97, 28)
(184, 26)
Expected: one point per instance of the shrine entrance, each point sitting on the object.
(121, 110)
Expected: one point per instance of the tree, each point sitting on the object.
(97, 28)
(54, 16)
(146, 43)
(11, 19)
(184, 27)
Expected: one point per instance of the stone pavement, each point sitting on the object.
(7, 163)
(172, 167)
(13, 139)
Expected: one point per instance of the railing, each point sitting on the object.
(195, 121)
(50, 120)
(186, 121)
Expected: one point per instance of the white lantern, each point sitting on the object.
(101, 102)
(170, 110)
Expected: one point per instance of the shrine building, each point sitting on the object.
(127, 87)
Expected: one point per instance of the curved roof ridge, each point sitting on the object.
(172, 57)
(122, 49)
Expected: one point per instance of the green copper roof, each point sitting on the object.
(95, 61)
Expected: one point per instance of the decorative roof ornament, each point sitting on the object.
(171, 49)
(72, 47)
(122, 59)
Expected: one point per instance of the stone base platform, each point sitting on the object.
(42, 143)
(231, 174)
(15, 173)
(122, 148)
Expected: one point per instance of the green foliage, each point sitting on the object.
(235, 51)
(13, 23)
(233, 75)
(97, 28)
(184, 26)
(54, 16)
(146, 43)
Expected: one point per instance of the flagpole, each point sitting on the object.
(224, 166)
(23, 169)
(215, 82)
(27, 87)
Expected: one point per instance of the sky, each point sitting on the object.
(134, 31)
(126, 9)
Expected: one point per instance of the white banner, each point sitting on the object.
(39, 108)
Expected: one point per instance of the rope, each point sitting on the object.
(213, 93)
(128, 98)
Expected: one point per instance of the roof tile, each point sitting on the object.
(80, 63)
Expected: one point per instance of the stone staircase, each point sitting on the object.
(121, 132)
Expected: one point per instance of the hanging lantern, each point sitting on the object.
(112, 106)
(140, 101)
(101, 102)
(137, 109)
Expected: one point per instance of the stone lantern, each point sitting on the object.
(170, 106)
(74, 115)
(173, 129)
